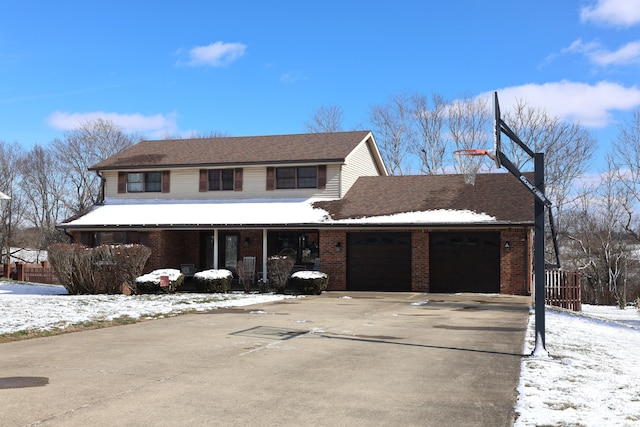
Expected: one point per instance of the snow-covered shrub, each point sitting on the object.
(150, 283)
(214, 280)
(103, 269)
(309, 282)
(278, 270)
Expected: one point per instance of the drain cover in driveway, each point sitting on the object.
(271, 332)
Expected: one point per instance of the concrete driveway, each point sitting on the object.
(339, 359)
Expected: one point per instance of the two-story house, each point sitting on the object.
(326, 200)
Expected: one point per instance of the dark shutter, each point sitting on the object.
(122, 182)
(322, 177)
(271, 178)
(166, 181)
(238, 180)
(204, 179)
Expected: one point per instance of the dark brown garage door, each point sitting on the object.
(464, 262)
(379, 261)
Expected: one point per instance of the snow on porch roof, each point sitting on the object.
(255, 212)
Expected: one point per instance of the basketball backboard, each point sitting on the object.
(497, 145)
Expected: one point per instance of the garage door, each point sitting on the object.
(379, 261)
(464, 262)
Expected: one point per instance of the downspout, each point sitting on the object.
(264, 254)
(215, 249)
(100, 199)
(64, 230)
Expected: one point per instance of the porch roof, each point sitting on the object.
(255, 213)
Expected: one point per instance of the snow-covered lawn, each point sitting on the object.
(35, 307)
(590, 378)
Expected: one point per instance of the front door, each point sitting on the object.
(228, 251)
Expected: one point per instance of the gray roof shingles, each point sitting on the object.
(274, 149)
(500, 195)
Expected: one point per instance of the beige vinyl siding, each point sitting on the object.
(358, 163)
(185, 185)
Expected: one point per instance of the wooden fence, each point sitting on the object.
(563, 289)
(35, 273)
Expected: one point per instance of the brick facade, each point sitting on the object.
(171, 248)
(333, 258)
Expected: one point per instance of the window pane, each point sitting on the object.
(214, 180)
(154, 181)
(227, 179)
(307, 177)
(285, 177)
(135, 182)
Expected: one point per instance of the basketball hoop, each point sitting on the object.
(470, 161)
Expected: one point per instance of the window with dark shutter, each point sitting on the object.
(238, 179)
(166, 181)
(322, 177)
(296, 177)
(122, 182)
(271, 172)
(203, 180)
(220, 179)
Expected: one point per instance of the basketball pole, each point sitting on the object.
(540, 203)
(538, 256)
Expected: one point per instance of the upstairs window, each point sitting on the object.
(149, 182)
(297, 177)
(229, 179)
(291, 177)
(220, 179)
(144, 182)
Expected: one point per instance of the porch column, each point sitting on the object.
(264, 253)
(215, 249)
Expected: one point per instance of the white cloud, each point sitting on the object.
(157, 125)
(596, 53)
(618, 13)
(590, 105)
(216, 54)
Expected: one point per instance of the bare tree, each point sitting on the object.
(393, 127)
(596, 233)
(429, 145)
(626, 156)
(43, 184)
(326, 119)
(568, 148)
(92, 142)
(12, 210)
(195, 135)
(468, 122)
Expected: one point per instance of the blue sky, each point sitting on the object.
(264, 67)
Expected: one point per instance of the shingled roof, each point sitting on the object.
(496, 194)
(273, 149)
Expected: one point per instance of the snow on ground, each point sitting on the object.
(590, 377)
(24, 307)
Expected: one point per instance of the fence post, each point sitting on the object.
(19, 271)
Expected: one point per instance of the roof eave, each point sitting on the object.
(221, 164)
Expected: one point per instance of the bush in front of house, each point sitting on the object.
(218, 281)
(278, 270)
(103, 269)
(309, 282)
(150, 283)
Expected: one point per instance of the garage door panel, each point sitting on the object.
(379, 261)
(464, 262)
